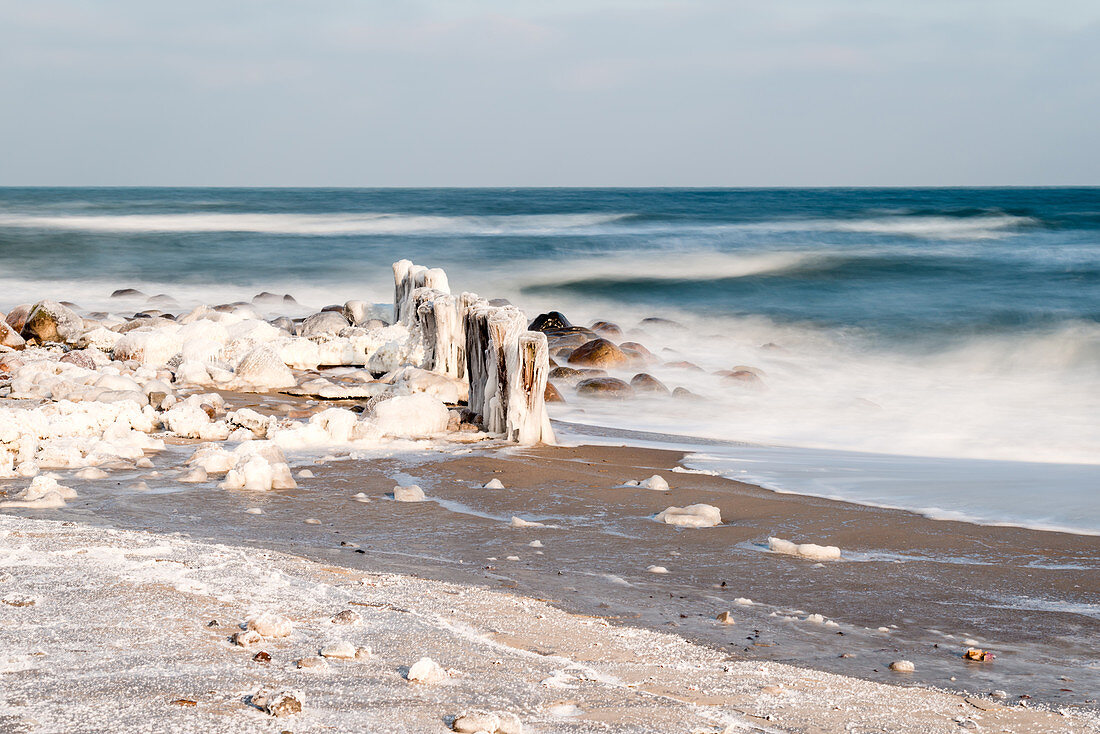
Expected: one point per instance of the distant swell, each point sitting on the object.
(315, 224)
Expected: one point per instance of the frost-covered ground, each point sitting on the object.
(107, 630)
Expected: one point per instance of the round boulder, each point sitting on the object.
(552, 395)
(607, 328)
(643, 382)
(549, 322)
(17, 317)
(598, 353)
(604, 387)
(324, 323)
(9, 337)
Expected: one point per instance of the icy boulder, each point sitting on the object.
(490, 722)
(268, 624)
(190, 421)
(260, 466)
(411, 416)
(692, 516)
(49, 321)
(44, 493)
(411, 493)
(262, 369)
(426, 672)
(806, 550)
(326, 323)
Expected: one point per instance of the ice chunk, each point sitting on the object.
(426, 672)
(518, 522)
(411, 416)
(692, 516)
(494, 484)
(342, 650)
(260, 466)
(655, 482)
(269, 624)
(412, 493)
(806, 550)
(44, 493)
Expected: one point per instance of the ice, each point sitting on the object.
(270, 624)
(656, 569)
(805, 550)
(411, 493)
(493, 484)
(43, 493)
(518, 522)
(426, 672)
(692, 516)
(259, 466)
(190, 421)
(342, 650)
(490, 722)
(655, 482)
(91, 472)
(262, 370)
(411, 416)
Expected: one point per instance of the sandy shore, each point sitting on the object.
(113, 630)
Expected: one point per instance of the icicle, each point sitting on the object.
(444, 340)
(505, 325)
(528, 368)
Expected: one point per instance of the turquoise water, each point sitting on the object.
(948, 324)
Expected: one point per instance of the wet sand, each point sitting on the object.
(1032, 597)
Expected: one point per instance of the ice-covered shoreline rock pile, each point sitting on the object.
(102, 390)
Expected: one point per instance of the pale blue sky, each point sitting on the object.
(641, 93)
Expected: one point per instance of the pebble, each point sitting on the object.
(313, 662)
(902, 666)
(262, 657)
(254, 511)
(656, 569)
(312, 521)
(305, 474)
(725, 618)
(999, 694)
(342, 650)
(492, 722)
(412, 493)
(248, 638)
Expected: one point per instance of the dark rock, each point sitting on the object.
(552, 395)
(49, 321)
(604, 387)
(598, 353)
(571, 339)
(127, 293)
(549, 322)
(337, 309)
(647, 383)
(566, 373)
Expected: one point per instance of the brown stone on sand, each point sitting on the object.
(552, 395)
(598, 353)
(643, 382)
(605, 387)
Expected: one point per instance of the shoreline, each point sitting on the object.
(555, 671)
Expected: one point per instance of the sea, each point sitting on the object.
(931, 349)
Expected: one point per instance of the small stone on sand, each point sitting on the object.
(426, 672)
(412, 493)
(656, 569)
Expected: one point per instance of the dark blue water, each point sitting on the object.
(950, 323)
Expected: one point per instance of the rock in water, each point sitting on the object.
(902, 666)
(551, 395)
(647, 383)
(324, 324)
(49, 321)
(605, 387)
(426, 671)
(598, 353)
(549, 322)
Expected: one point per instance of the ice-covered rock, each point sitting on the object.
(49, 321)
(259, 466)
(493, 484)
(341, 650)
(190, 421)
(655, 482)
(270, 624)
(247, 638)
(323, 324)
(284, 703)
(91, 472)
(692, 516)
(426, 672)
(43, 493)
(410, 416)
(811, 551)
(490, 722)
(519, 522)
(411, 493)
(902, 666)
(656, 569)
(347, 617)
(262, 369)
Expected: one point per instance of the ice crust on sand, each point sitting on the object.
(692, 516)
(811, 551)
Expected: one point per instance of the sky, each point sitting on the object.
(550, 93)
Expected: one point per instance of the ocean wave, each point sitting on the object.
(678, 266)
(940, 227)
(341, 224)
